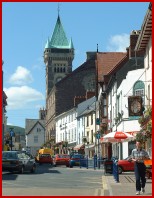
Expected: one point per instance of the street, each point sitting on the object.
(51, 181)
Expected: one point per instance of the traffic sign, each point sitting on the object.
(11, 133)
(98, 136)
(97, 121)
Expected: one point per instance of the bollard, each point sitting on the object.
(117, 166)
(95, 161)
(87, 162)
(115, 170)
(98, 162)
(80, 162)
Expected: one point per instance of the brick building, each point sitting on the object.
(68, 92)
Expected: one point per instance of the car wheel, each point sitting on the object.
(33, 169)
(120, 169)
(21, 171)
(67, 165)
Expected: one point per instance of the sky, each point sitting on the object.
(26, 27)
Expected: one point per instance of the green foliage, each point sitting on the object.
(84, 139)
(141, 137)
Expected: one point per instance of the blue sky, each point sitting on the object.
(26, 27)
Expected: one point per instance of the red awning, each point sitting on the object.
(79, 146)
(133, 133)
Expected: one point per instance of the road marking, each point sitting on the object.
(98, 192)
(13, 184)
(104, 183)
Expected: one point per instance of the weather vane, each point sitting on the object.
(58, 8)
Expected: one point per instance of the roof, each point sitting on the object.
(146, 30)
(106, 61)
(31, 123)
(86, 106)
(59, 39)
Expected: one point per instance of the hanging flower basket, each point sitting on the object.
(141, 137)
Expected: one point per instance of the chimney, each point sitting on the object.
(133, 40)
(91, 55)
(42, 114)
(89, 94)
(127, 49)
(78, 99)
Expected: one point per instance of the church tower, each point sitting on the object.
(58, 56)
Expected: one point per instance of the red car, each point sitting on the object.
(125, 165)
(61, 159)
(45, 158)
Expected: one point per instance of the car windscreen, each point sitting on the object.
(45, 155)
(9, 155)
(77, 156)
(66, 156)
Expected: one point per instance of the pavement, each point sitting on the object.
(125, 186)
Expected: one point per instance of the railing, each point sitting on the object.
(84, 162)
(108, 166)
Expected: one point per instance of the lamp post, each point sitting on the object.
(11, 135)
(98, 135)
(65, 138)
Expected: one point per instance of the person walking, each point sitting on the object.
(138, 156)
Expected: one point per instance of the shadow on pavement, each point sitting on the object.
(43, 169)
(9, 176)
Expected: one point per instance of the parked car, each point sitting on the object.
(18, 161)
(126, 165)
(61, 159)
(77, 160)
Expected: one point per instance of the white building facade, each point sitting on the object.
(66, 129)
(35, 135)
(118, 110)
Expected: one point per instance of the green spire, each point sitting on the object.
(58, 39)
(47, 45)
(71, 44)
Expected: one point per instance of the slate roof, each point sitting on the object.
(86, 106)
(31, 123)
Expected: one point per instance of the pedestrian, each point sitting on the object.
(138, 156)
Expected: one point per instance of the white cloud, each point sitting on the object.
(22, 97)
(22, 76)
(118, 43)
(10, 123)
